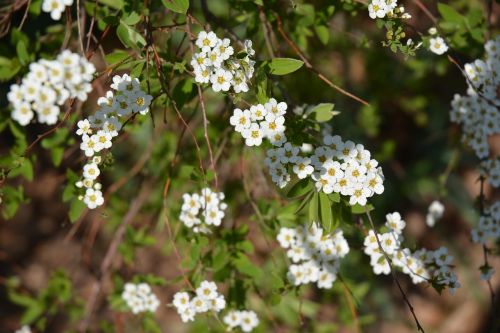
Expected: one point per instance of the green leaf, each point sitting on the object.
(245, 266)
(324, 112)
(116, 4)
(132, 19)
(450, 14)
(178, 6)
(129, 36)
(76, 209)
(358, 209)
(116, 57)
(326, 215)
(299, 189)
(22, 53)
(8, 68)
(314, 208)
(283, 66)
(323, 33)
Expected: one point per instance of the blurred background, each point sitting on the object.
(406, 128)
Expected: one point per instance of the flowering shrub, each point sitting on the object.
(222, 166)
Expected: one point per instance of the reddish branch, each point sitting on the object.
(309, 66)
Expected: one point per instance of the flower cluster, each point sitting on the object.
(261, 121)
(478, 111)
(199, 211)
(489, 225)
(421, 265)
(24, 329)
(99, 129)
(48, 85)
(434, 213)
(56, 7)
(389, 8)
(341, 167)
(315, 255)
(207, 299)
(140, 298)
(217, 64)
(244, 319)
(490, 169)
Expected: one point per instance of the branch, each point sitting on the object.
(203, 110)
(309, 66)
(134, 209)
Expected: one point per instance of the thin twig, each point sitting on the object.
(309, 66)
(204, 112)
(394, 277)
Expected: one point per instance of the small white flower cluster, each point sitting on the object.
(434, 213)
(489, 225)
(207, 299)
(315, 255)
(216, 63)
(140, 298)
(261, 121)
(421, 265)
(99, 129)
(244, 319)
(48, 85)
(490, 169)
(478, 111)
(55, 7)
(199, 211)
(341, 167)
(389, 8)
(24, 329)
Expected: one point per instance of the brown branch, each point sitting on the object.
(309, 66)
(134, 209)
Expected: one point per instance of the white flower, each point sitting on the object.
(257, 112)
(207, 290)
(303, 167)
(359, 193)
(91, 171)
(15, 95)
(275, 108)
(432, 31)
(435, 212)
(248, 321)
(377, 9)
(140, 298)
(221, 80)
(48, 114)
(437, 45)
(93, 198)
(395, 223)
(22, 113)
(54, 7)
(286, 237)
(253, 135)
(240, 120)
(181, 301)
(83, 127)
(232, 319)
(24, 329)
(224, 48)
(206, 40)
(88, 145)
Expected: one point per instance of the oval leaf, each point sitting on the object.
(283, 66)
